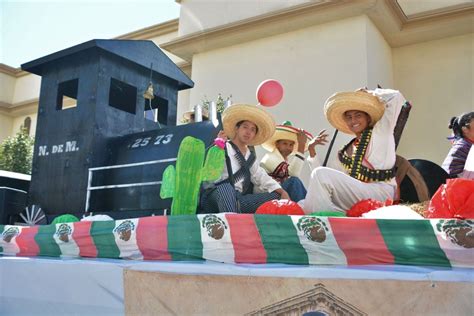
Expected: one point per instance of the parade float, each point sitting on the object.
(107, 146)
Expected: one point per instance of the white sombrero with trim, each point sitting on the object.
(341, 102)
(189, 115)
(288, 132)
(252, 113)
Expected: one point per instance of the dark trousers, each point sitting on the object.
(224, 198)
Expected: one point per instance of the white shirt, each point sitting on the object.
(380, 152)
(261, 180)
(468, 172)
(273, 159)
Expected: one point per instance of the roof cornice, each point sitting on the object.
(23, 108)
(152, 31)
(445, 12)
(398, 29)
(12, 71)
(272, 23)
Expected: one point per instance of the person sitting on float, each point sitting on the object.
(245, 126)
(365, 168)
(285, 157)
(463, 138)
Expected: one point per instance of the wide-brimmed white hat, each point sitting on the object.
(189, 115)
(341, 102)
(252, 113)
(288, 132)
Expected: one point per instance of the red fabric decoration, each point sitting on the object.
(365, 206)
(455, 199)
(280, 207)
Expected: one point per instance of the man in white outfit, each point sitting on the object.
(365, 167)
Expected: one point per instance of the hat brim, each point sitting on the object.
(252, 113)
(287, 133)
(190, 115)
(341, 102)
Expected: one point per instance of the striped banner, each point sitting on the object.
(245, 238)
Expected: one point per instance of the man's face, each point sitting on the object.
(285, 147)
(246, 132)
(357, 121)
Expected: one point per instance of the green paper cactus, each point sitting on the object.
(183, 182)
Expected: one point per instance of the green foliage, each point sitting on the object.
(183, 182)
(16, 153)
(220, 103)
(206, 103)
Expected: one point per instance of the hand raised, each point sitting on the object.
(301, 137)
(321, 139)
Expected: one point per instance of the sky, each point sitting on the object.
(31, 29)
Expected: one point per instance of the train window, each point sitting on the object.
(67, 94)
(157, 110)
(122, 96)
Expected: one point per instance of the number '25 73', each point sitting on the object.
(160, 139)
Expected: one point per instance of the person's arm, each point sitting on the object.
(301, 139)
(321, 139)
(283, 194)
(393, 101)
(456, 158)
(266, 183)
(296, 162)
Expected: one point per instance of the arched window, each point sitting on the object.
(315, 313)
(27, 125)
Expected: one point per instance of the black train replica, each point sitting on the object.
(100, 145)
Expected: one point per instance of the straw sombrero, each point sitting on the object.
(285, 131)
(341, 102)
(252, 113)
(189, 115)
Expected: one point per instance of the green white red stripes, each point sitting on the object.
(125, 234)
(244, 238)
(361, 241)
(248, 246)
(454, 237)
(280, 240)
(317, 238)
(216, 228)
(63, 237)
(412, 242)
(152, 238)
(8, 242)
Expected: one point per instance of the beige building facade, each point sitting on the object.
(314, 48)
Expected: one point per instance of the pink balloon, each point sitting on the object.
(269, 92)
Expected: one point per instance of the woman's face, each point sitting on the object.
(357, 121)
(468, 131)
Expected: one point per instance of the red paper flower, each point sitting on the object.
(280, 207)
(365, 206)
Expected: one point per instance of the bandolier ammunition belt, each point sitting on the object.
(354, 164)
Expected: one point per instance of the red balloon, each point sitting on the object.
(280, 207)
(269, 92)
